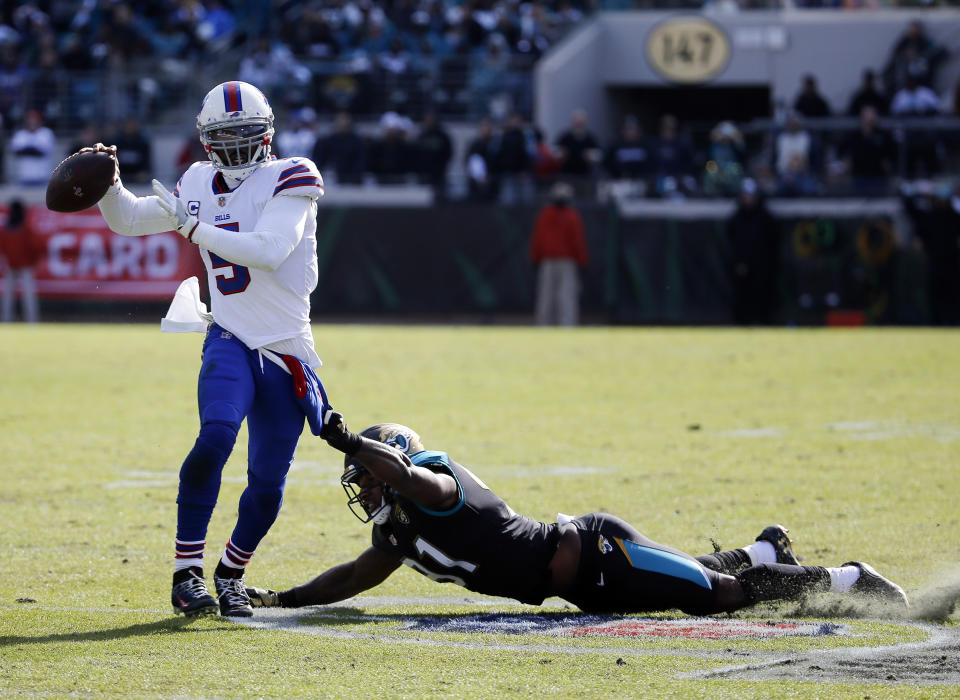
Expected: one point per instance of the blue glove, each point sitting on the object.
(309, 392)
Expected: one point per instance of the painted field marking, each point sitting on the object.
(290, 621)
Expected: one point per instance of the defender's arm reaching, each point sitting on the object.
(335, 584)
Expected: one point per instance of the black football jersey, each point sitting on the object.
(479, 543)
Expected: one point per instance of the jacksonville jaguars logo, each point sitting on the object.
(603, 545)
(399, 441)
(402, 515)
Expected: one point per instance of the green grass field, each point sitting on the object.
(850, 438)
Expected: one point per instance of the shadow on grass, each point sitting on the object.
(170, 625)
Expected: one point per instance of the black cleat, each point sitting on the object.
(190, 597)
(777, 536)
(873, 585)
(234, 601)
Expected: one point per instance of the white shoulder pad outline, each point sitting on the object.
(297, 177)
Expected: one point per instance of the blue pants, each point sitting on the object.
(236, 383)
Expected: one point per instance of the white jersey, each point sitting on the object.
(260, 307)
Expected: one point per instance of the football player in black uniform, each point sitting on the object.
(436, 516)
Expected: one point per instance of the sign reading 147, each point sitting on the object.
(688, 49)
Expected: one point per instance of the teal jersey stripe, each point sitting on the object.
(666, 563)
(431, 457)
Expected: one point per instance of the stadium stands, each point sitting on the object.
(80, 63)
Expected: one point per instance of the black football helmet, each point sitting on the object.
(357, 481)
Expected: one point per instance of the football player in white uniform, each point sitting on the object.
(254, 219)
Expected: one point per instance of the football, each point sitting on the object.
(80, 181)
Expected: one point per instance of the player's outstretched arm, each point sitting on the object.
(338, 583)
(389, 465)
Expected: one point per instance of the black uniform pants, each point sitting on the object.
(621, 571)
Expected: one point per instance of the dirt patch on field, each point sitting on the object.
(931, 661)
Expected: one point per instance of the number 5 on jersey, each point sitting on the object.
(237, 278)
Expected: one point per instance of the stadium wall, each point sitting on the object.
(656, 264)
(772, 49)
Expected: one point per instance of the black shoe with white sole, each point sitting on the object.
(874, 586)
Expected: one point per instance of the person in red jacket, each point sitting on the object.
(21, 252)
(558, 247)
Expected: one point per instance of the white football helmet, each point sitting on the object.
(236, 128)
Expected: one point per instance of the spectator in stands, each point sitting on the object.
(914, 55)
(672, 159)
(869, 155)
(628, 158)
(867, 95)
(395, 59)
(90, 133)
(481, 163)
(121, 36)
(558, 247)
(33, 147)
(260, 67)
(133, 152)
(810, 103)
(487, 80)
(914, 100)
(936, 221)
(391, 156)
(310, 33)
(273, 69)
(300, 138)
(343, 153)
(577, 147)
(794, 151)
(13, 78)
(217, 25)
(754, 265)
(44, 84)
(434, 149)
(169, 40)
(925, 149)
(21, 251)
(514, 162)
(725, 163)
(546, 162)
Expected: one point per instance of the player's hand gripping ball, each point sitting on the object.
(81, 180)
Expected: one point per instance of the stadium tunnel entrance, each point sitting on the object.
(704, 105)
